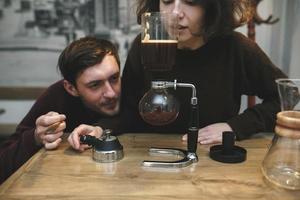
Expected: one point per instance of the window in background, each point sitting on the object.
(34, 32)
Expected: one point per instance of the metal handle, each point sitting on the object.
(88, 139)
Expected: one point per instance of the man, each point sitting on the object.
(89, 91)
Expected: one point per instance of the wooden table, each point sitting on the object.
(66, 174)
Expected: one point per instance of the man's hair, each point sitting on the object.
(82, 54)
(220, 16)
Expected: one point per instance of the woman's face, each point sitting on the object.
(190, 16)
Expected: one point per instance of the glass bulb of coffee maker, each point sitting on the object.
(158, 107)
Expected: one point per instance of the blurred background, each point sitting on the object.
(34, 32)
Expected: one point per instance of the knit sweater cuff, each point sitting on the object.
(242, 126)
(30, 141)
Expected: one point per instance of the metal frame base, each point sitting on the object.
(188, 158)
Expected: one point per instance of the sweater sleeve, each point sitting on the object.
(20, 146)
(16, 151)
(133, 88)
(257, 77)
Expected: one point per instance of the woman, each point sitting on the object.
(221, 63)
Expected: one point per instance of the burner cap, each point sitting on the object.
(228, 152)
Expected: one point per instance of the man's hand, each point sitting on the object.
(211, 134)
(83, 129)
(49, 129)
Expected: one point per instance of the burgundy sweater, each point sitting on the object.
(21, 145)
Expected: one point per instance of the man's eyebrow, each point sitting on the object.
(116, 74)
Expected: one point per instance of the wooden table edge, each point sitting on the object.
(19, 172)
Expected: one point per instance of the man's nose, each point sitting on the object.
(109, 92)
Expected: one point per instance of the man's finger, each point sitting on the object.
(70, 140)
(51, 129)
(53, 137)
(51, 113)
(83, 129)
(56, 127)
(84, 147)
(74, 140)
(53, 145)
(49, 120)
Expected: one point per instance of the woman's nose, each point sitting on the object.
(178, 9)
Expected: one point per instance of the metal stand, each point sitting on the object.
(189, 156)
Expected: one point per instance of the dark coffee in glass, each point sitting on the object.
(159, 41)
(159, 55)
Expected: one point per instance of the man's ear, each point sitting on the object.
(70, 88)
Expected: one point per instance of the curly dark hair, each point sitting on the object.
(82, 54)
(221, 16)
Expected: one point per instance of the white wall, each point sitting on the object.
(295, 53)
(11, 116)
(280, 41)
(292, 57)
(285, 37)
(263, 31)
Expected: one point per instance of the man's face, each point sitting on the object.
(99, 86)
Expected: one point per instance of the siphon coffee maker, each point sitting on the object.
(281, 165)
(158, 106)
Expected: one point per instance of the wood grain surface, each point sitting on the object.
(66, 174)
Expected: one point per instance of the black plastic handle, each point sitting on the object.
(193, 130)
(88, 139)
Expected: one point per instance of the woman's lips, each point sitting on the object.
(181, 27)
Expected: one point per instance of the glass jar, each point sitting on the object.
(158, 107)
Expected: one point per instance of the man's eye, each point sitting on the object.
(94, 85)
(114, 79)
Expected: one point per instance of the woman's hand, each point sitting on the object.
(211, 134)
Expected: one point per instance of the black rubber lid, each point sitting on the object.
(108, 145)
(228, 152)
